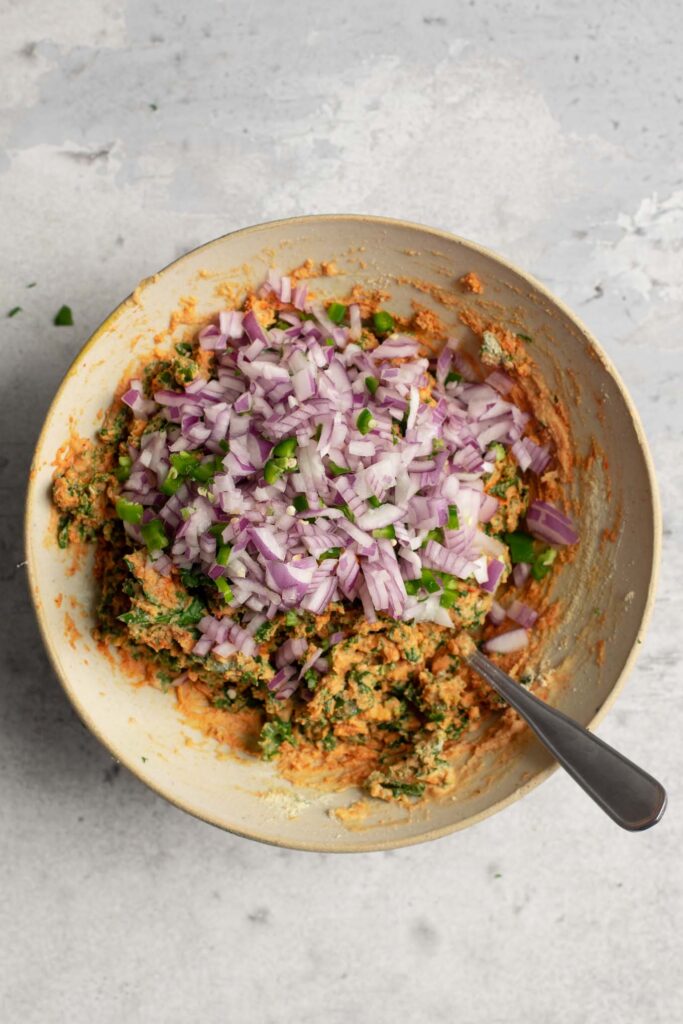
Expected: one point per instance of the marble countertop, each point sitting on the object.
(130, 133)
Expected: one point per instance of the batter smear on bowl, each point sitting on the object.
(303, 516)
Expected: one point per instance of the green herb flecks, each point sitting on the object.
(64, 317)
(185, 616)
(273, 734)
(415, 789)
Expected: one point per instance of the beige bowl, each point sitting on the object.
(141, 726)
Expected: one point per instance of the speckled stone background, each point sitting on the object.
(129, 133)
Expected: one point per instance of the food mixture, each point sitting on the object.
(305, 514)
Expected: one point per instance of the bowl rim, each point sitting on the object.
(363, 845)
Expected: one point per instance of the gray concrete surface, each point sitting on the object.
(130, 133)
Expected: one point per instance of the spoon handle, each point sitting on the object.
(626, 792)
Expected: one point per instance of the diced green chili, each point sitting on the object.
(129, 511)
(204, 472)
(429, 581)
(329, 341)
(385, 533)
(123, 470)
(330, 553)
(336, 312)
(188, 465)
(449, 582)
(412, 586)
(223, 553)
(154, 535)
(521, 546)
(300, 503)
(225, 588)
(448, 599)
(347, 512)
(183, 462)
(435, 534)
(272, 472)
(284, 449)
(453, 520)
(365, 422)
(336, 470)
(172, 483)
(542, 564)
(382, 322)
(453, 377)
(372, 384)
(374, 502)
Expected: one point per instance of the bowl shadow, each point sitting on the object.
(41, 734)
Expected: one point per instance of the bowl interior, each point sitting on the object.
(605, 594)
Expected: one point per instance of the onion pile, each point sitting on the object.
(310, 470)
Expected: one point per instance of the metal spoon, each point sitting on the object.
(626, 792)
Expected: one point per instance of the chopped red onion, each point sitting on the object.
(495, 570)
(291, 650)
(299, 295)
(500, 381)
(278, 684)
(134, 398)
(398, 346)
(274, 385)
(312, 657)
(507, 643)
(520, 573)
(521, 455)
(354, 322)
(497, 614)
(522, 614)
(547, 523)
(488, 509)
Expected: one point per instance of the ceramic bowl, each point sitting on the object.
(606, 594)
